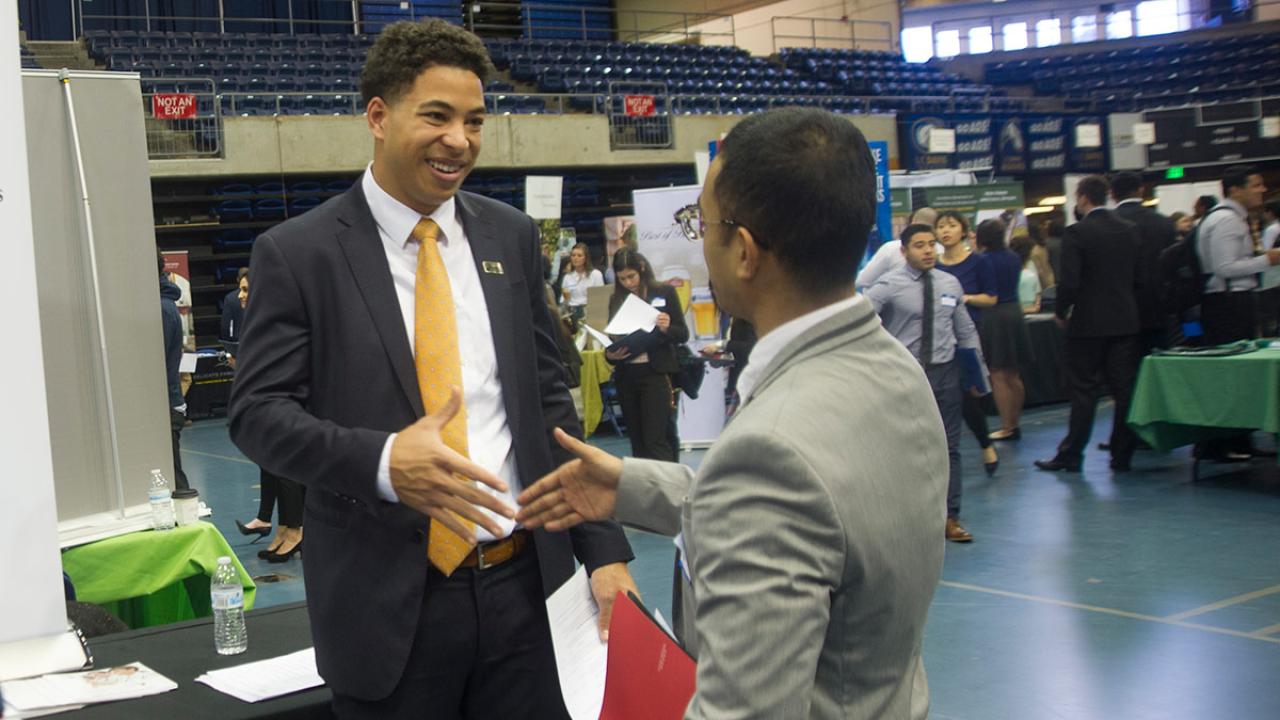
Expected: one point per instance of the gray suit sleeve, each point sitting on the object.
(651, 495)
(767, 553)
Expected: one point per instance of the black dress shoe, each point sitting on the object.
(1058, 464)
(276, 557)
(261, 532)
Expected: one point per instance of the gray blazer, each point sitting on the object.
(813, 531)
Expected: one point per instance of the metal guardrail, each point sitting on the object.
(621, 25)
(790, 32)
(200, 136)
(642, 120)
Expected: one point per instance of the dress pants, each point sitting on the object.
(975, 416)
(291, 497)
(1093, 362)
(482, 650)
(177, 419)
(944, 379)
(645, 397)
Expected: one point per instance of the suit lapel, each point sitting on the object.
(362, 246)
(487, 248)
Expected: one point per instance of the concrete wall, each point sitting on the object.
(261, 146)
(754, 27)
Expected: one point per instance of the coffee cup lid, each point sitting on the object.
(185, 493)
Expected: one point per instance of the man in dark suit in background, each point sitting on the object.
(1156, 232)
(1098, 308)
(398, 349)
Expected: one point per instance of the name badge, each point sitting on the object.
(492, 267)
(659, 302)
(950, 301)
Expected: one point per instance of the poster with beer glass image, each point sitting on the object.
(677, 261)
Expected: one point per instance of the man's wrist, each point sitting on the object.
(386, 490)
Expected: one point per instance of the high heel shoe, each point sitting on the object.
(991, 468)
(276, 557)
(261, 532)
(1011, 435)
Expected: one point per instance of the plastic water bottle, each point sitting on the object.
(229, 634)
(161, 502)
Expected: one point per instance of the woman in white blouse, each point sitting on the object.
(577, 278)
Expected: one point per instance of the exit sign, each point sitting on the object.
(1174, 173)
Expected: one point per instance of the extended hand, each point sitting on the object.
(432, 478)
(606, 582)
(664, 322)
(580, 490)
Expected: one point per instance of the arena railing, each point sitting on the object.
(813, 32)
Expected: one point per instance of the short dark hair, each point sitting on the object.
(1126, 185)
(241, 274)
(405, 49)
(1207, 202)
(953, 215)
(1237, 176)
(1094, 189)
(789, 163)
(915, 229)
(991, 235)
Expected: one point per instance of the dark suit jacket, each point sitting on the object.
(1100, 277)
(662, 358)
(326, 373)
(1156, 232)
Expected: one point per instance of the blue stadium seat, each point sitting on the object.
(232, 211)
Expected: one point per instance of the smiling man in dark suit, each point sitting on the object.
(399, 360)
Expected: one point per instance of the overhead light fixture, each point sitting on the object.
(1054, 200)
(1151, 203)
(1036, 210)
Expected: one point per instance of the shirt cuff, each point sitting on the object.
(385, 490)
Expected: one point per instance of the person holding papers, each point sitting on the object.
(924, 309)
(813, 529)
(646, 359)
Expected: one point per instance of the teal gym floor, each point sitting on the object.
(1085, 596)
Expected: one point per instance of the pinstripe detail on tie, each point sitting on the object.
(439, 368)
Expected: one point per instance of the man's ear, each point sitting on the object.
(747, 253)
(376, 115)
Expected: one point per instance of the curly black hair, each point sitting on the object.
(405, 49)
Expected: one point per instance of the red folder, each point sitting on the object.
(650, 677)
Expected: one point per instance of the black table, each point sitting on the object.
(1043, 377)
(183, 651)
(210, 387)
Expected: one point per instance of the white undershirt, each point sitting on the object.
(489, 440)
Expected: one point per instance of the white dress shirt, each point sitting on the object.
(489, 440)
(768, 347)
(1226, 250)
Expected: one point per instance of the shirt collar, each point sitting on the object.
(397, 220)
(913, 273)
(768, 347)
(1128, 201)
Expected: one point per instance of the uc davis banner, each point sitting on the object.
(914, 131)
(883, 231)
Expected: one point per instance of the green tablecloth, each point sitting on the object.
(595, 370)
(1182, 400)
(153, 578)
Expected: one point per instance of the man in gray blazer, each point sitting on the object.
(813, 531)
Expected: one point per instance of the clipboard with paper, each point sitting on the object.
(632, 327)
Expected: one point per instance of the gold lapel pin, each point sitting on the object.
(492, 267)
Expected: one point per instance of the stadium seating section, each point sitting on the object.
(1164, 75)
(268, 74)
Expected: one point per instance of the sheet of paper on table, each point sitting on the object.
(125, 682)
(266, 679)
(598, 336)
(12, 713)
(581, 658)
(635, 314)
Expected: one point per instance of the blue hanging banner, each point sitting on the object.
(883, 231)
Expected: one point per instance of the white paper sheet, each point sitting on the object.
(597, 336)
(188, 362)
(13, 713)
(635, 314)
(266, 679)
(542, 194)
(125, 682)
(581, 658)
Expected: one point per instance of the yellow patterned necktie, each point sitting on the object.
(439, 368)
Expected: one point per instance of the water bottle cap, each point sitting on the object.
(224, 560)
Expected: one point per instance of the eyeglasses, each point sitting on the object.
(691, 222)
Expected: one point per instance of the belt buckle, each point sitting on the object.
(481, 562)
